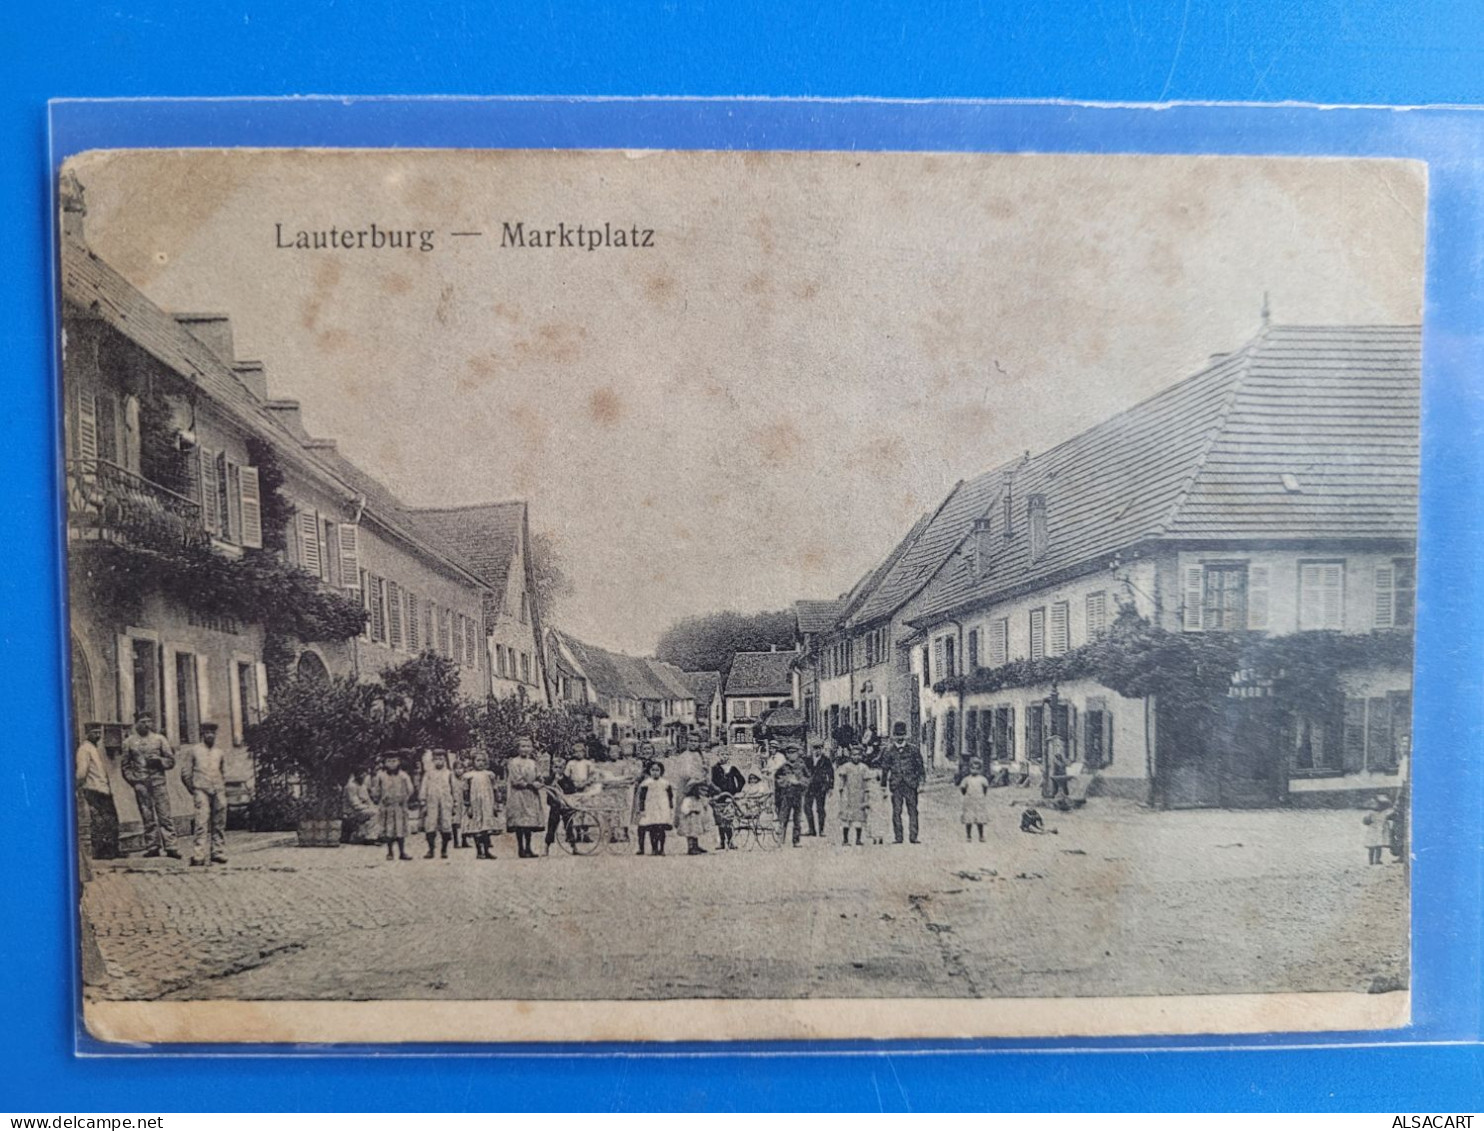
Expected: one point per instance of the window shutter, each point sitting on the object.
(203, 690)
(973, 664)
(260, 674)
(233, 481)
(87, 424)
(250, 506)
(413, 612)
(309, 548)
(170, 724)
(366, 603)
(1257, 596)
(1097, 615)
(210, 493)
(349, 536)
(1385, 596)
(938, 661)
(1038, 633)
(1010, 733)
(235, 694)
(1060, 628)
(1194, 575)
(394, 614)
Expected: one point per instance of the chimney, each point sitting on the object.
(254, 376)
(71, 197)
(214, 331)
(286, 412)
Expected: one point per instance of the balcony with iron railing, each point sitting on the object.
(107, 503)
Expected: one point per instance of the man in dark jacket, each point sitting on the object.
(903, 773)
(821, 780)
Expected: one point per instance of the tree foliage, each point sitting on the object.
(548, 571)
(707, 643)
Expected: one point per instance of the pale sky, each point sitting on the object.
(814, 350)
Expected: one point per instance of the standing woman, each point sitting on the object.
(524, 813)
(479, 805)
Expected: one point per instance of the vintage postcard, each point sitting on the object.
(604, 595)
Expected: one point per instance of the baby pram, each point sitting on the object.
(752, 817)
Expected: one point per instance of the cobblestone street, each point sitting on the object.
(1121, 901)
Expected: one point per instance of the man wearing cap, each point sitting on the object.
(97, 795)
(202, 768)
(904, 773)
(147, 758)
(820, 781)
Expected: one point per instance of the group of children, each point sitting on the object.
(458, 804)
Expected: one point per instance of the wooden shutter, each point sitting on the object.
(350, 554)
(238, 706)
(260, 676)
(87, 424)
(393, 614)
(413, 613)
(1038, 633)
(973, 657)
(1096, 614)
(309, 548)
(250, 507)
(125, 667)
(1194, 576)
(999, 652)
(211, 514)
(203, 689)
(1257, 596)
(1061, 631)
(1385, 596)
(170, 724)
(233, 481)
(1353, 749)
(366, 602)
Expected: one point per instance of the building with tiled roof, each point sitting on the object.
(706, 688)
(1274, 492)
(174, 445)
(757, 683)
(633, 696)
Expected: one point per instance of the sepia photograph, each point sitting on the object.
(525, 595)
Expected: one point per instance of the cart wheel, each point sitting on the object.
(770, 836)
(583, 834)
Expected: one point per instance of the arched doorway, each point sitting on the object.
(312, 667)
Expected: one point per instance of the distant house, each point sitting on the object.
(625, 696)
(706, 687)
(495, 539)
(758, 682)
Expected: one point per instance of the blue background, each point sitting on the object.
(1350, 52)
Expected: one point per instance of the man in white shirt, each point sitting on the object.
(97, 795)
(203, 770)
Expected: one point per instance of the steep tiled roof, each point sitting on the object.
(92, 286)
(671, 678)
(929, 546)
(703, 686)
(627, 677)
(485, 536)
(1333, 409)
(761, 673)
(818, 616)
(597, 664)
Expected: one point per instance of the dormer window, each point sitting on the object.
(981, 546)
(1035, 514)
